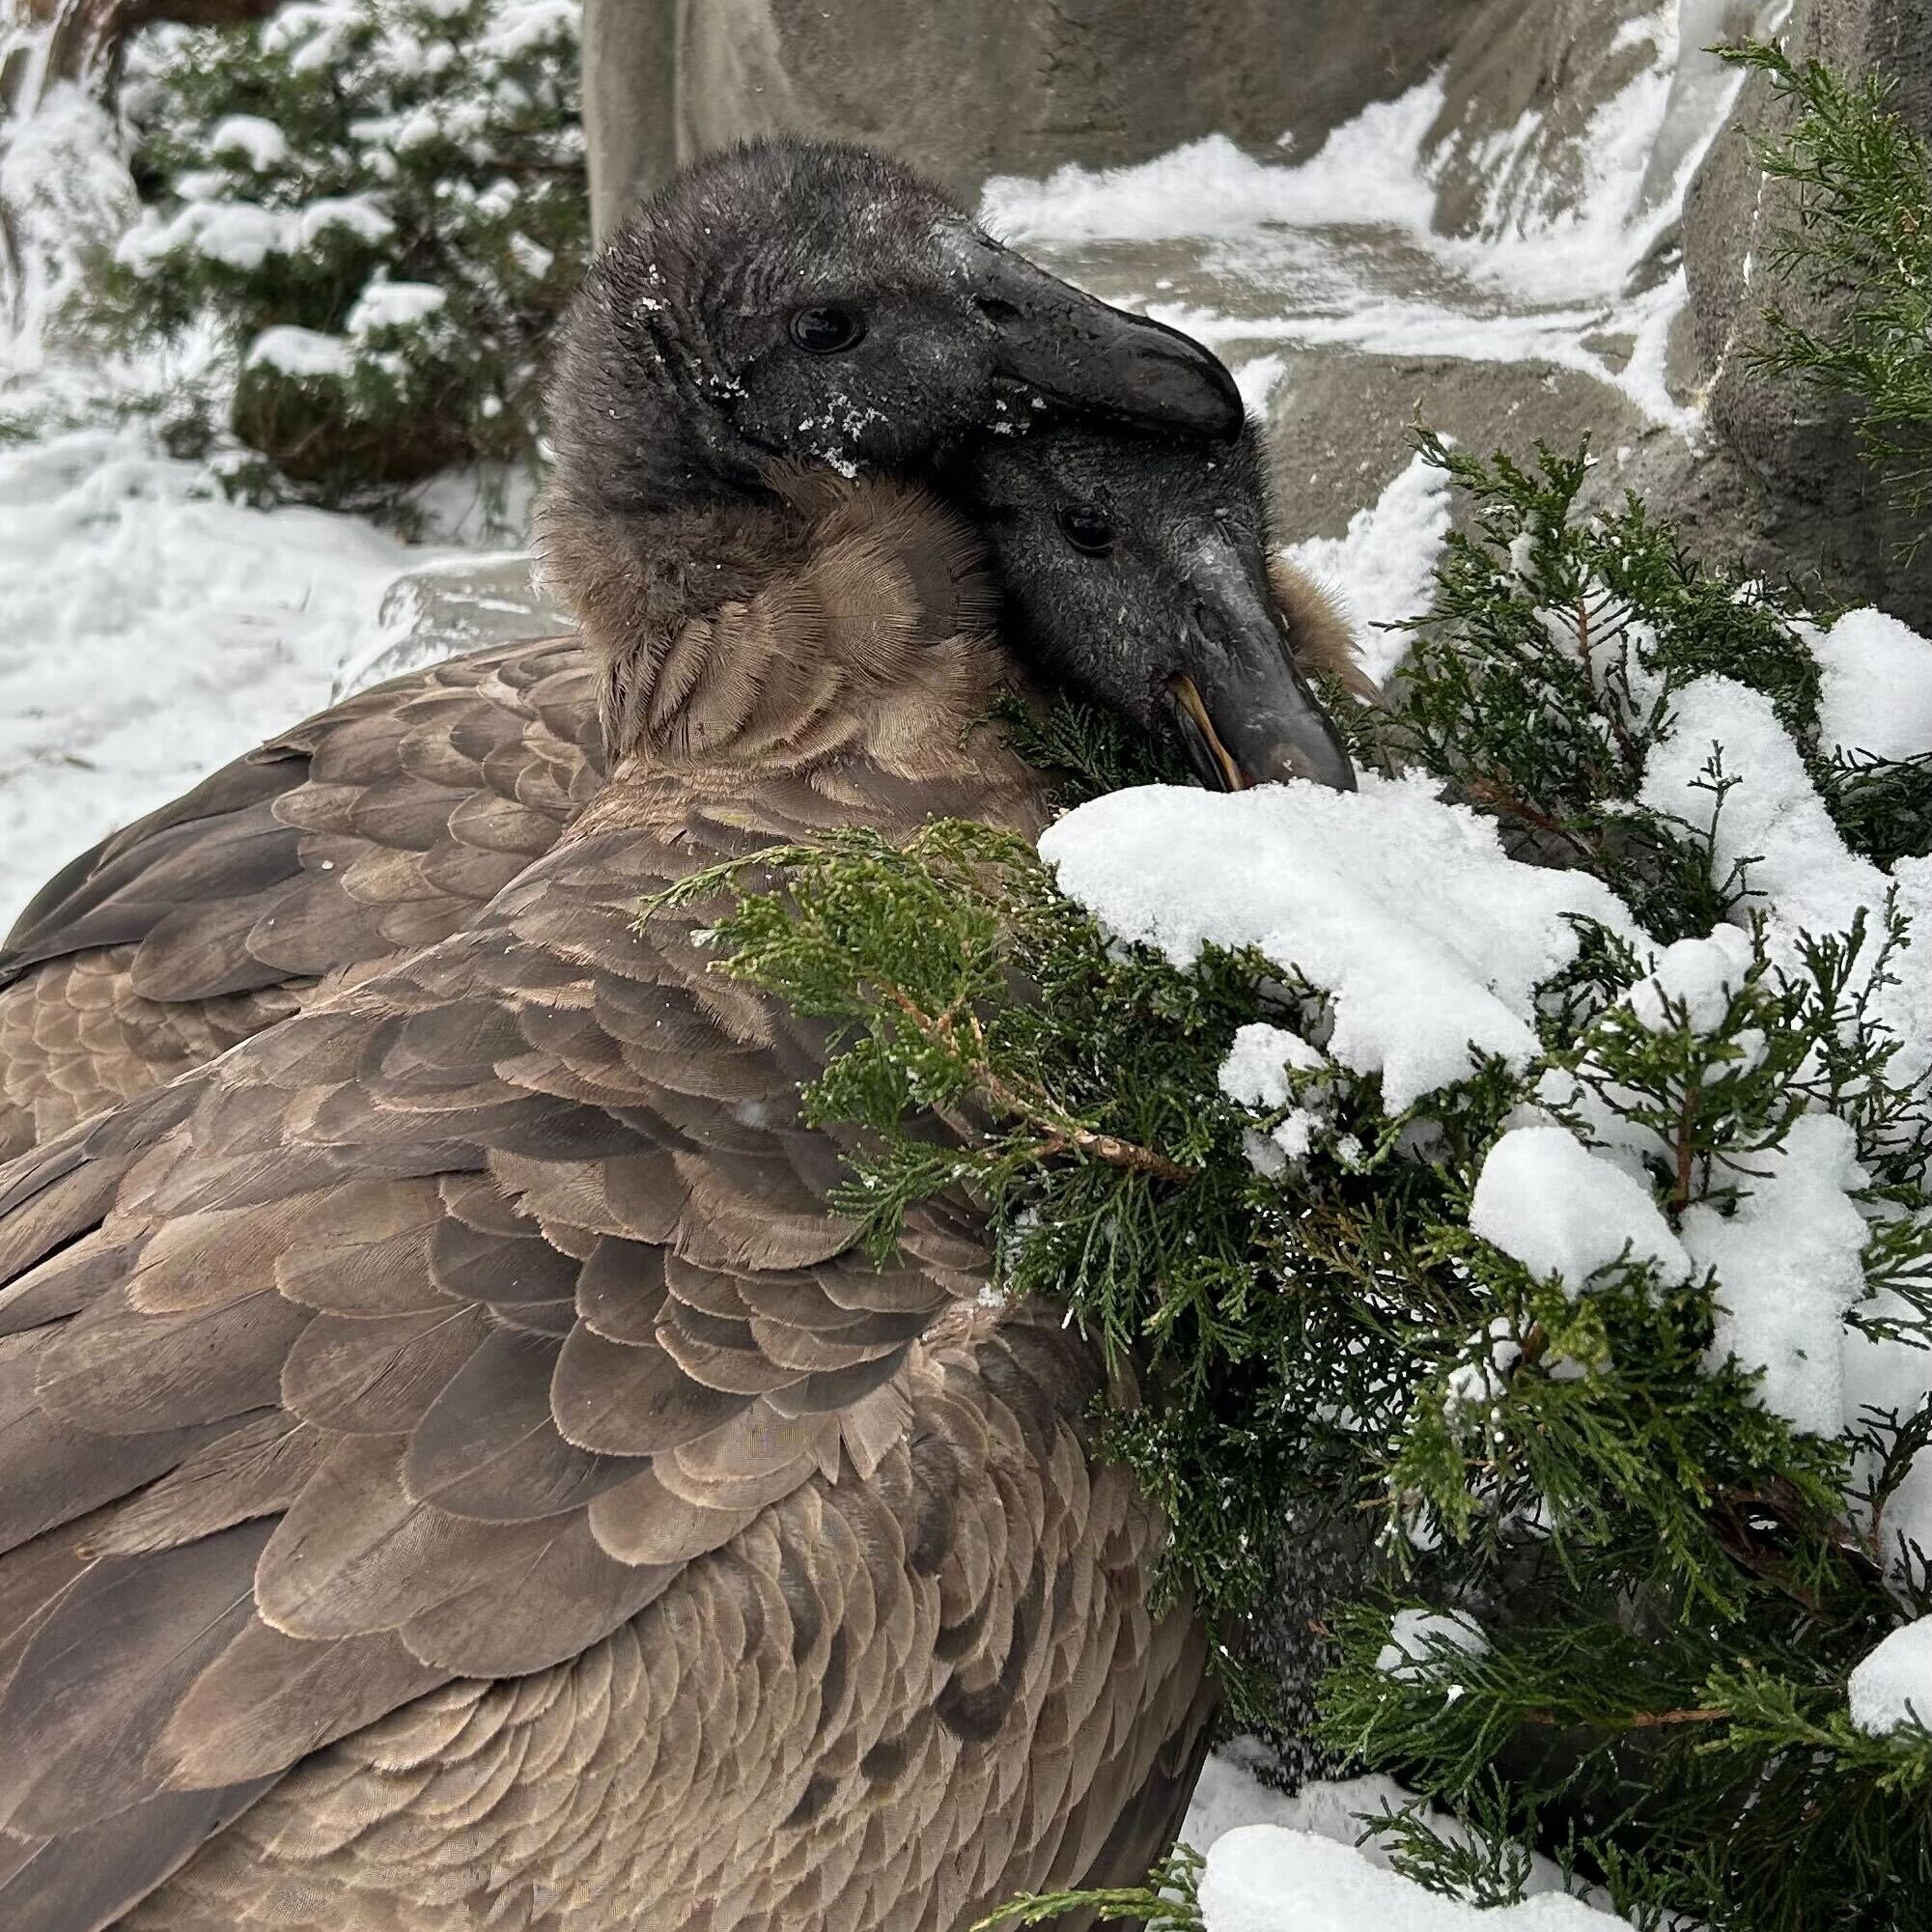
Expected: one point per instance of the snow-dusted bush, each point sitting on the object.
(1524, 1157)
(378, 207)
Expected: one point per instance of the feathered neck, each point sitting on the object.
(822, 620)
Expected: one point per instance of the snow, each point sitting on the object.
(1876, 688)
(1255, 1070)
(1261, 1877)
(1692, 983)
(1416, 1638)
(1343, 247)
(153, 633)
(239, 235)
(1382, 569)
(395, 305)
(1787, 1261)
(258, 141)
(1566, 1213)
(299, 351)
(359, 214)
(1255, 1074)
(1428, 939)
(1891, 1685)
(1795, 867)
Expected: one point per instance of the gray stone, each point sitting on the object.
(1832, 516)
(441, 610)
(972, 88)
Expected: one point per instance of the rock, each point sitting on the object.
(440, 610)
(1833, 517)
(987, 87)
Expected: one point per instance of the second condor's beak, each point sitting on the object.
(1085, 360)
(1241, 705)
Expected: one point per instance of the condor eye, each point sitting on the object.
(825, 331)
(1086, 528)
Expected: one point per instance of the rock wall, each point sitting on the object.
(970, 88)
(1830, 513)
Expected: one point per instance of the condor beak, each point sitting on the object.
(1242, 707)
(1080, 357)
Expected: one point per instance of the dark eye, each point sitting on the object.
(1086, 528)
(828, 330)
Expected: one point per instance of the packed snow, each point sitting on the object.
(1566, 1213)
(1891, 1685)
(1428, 939)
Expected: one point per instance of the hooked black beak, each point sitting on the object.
(1242, 707)
(1086, 360)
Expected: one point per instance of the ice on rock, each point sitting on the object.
(1428, 939)
(1891, 1686)
(1412, 1633)
(1875, 693)
(1264, 1879)
(1787, 1261)
(1564, 1212)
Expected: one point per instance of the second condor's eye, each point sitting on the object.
(825, 331)
(1086, 528)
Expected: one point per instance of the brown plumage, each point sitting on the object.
(380, 825)
(385, 823)
(454, 1472)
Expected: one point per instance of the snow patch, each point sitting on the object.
(154, 631)
(395, 305)
(1787, 1259)
(1566, 1213)
(1891, 1686)
(1428, 939)
(1261, 1877)
(1382, 568)
(1416, 1638)
(300, 353)
(1876, 688)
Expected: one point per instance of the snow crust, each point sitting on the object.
(1566, 1213)
(1428, 939)
(1891, 1686)
(1876, 690)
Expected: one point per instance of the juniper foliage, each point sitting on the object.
(1674, 1581)
(1860, 236)
(374, 209)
